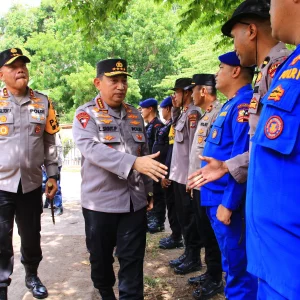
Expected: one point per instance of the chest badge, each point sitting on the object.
(106, 121)
(205, 118)
(214, 133)
(276, 94)
(4, 130)
(273, 127)
(109, 137)
(3, 119)
(132, 116)
(200, 139)
(135, 123)
(201, 131)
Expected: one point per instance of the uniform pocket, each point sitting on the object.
(215, 135)
(279, 131)
(36, 127)
(6, 125)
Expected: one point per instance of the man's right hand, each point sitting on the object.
(149, 166)
(165, 183)
(215, 169)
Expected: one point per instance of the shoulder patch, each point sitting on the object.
(52, 125)
(273, 69)
(243, 114)
(83, 118)
(273, 127)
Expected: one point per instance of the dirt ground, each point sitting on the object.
(65, 267)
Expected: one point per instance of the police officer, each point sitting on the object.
(164, 145)
(186, 117)
(156, 217)
(224, 198)
(27, 127)
(111, 137)
(204, 96)
(272, 206)
(250, 28)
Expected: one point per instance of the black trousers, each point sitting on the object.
(172, 215)
(127, 231)
(209, 241)
(27, 209)
(159, 206)
(187, 217)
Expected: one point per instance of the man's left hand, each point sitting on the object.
(224, 214)
(50, 194)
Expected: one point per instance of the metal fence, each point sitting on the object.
(71, 154)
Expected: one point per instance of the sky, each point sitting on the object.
(6, 4)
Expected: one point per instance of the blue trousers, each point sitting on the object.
(265, 292)
(239, 283)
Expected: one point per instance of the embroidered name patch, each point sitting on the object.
(273, 127)
(83, 119)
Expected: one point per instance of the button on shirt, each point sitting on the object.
(228, 138)
(110, 141)
(25, 142)
(272, 206)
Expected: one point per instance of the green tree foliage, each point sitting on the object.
(64, 49)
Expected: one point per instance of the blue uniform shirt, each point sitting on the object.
(228, 138)
(273, 205)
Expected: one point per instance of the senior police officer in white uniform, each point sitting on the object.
(111, 137)
(27, 140)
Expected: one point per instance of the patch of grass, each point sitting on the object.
(151, 282)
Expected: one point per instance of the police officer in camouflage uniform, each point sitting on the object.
(111, 137)
(27, 128)
(164, 144)
(204, 96)
(156, 217)
(185, 118)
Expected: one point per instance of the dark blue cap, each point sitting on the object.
(166, 102)
(148, 103)
(230, 58)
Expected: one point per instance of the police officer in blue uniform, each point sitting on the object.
(156, 217)
(165, 145)
(272, 206)
(224, 198)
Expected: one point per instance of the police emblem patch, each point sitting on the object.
(214, 133)
(193, 124)
(3, 119)
(83, 119)
(4, 130)
(139, 137)
(37, 129)
(273, 127)
(276, 94)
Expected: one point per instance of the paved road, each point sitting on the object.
(65, 269)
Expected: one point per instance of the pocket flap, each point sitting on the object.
(139, 137)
